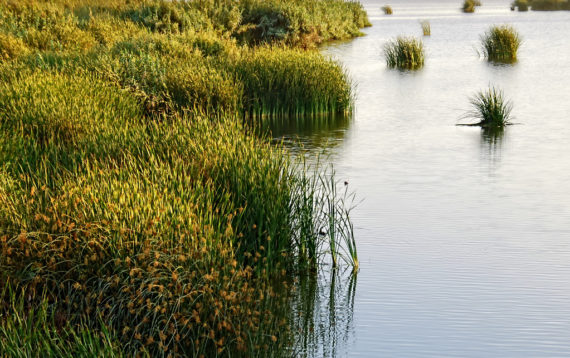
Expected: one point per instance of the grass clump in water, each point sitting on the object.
(405, 53)
(426, 27)
(501, 44)
(387, 9)
(469, 5)
(491, 109)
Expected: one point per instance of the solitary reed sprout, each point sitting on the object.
(426, 27)
(491, 108)
(405, 53)
(387, 9)
(500, 44)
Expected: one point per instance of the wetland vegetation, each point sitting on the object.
(138, 212)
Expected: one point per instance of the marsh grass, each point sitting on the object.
(491, 109)
(133, 197)
(406, 53)
(501, 44)
(426, 27)
(387, 9)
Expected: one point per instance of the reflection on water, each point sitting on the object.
(322, 314)
(326, 131)
(492, 145)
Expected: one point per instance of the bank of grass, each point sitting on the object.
(491, 109)
(501, 44)
(405, 53)
(137, 215)
(549, 5)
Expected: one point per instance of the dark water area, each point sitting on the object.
(463, 234)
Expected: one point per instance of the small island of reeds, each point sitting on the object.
(501, 44)
(404, 53)
(490, 108)
(387, 9)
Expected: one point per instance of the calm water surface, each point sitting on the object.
(463, 236)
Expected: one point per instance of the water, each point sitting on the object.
(463, 236)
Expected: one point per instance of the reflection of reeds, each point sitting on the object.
(322, 312)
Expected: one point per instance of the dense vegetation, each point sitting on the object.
(501, 44)
(137, 211)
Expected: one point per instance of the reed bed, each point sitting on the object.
(387, 9)
(549, 5)
(138, 215)
(278, 82)
(405, 53)
(501, 44)
(491, 108)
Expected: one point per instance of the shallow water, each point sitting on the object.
(463, 236)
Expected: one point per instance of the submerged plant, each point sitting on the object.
(387, 9)
(426, 27)
(406, 53)
(500, 44)
(491, 109)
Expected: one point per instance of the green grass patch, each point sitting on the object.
(406, 53)
(501, 44)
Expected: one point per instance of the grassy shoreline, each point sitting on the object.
(137, 215)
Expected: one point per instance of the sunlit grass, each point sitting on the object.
(501, 44)
(404, 53)
(138, 212)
